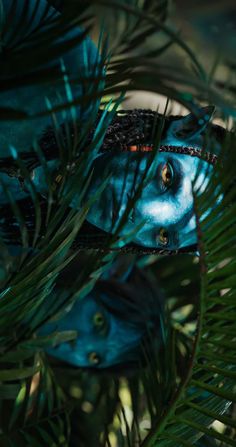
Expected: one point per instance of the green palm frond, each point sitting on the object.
(35, 411)
(178, 402)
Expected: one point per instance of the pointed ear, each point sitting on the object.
(192, 124)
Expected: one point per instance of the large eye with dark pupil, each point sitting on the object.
(163, 236)
(99, 320)
(167, 174)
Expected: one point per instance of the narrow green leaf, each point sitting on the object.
(17, 374)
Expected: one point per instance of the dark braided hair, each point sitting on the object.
(130, 130)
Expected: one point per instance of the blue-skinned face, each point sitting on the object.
(103, 339)
(166, 204)
(165, 207)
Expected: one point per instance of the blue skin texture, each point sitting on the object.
(161, 207)
(102, 345)
(20, 134)
(158, 208)
(103, 339)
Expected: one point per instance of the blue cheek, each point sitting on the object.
(94, 347)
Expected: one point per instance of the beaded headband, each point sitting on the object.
(184, 150)
(127, 133)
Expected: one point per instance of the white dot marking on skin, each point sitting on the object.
(157, 210)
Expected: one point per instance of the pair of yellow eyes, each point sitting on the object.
(99, 320)
(167, 175)
(163, 236)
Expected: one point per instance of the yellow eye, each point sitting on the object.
(167, 174)
(99, 320)
(163, 236)
(93, 358)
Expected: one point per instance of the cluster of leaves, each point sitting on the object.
(179, 403)
(35, 410)
(208, 387)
